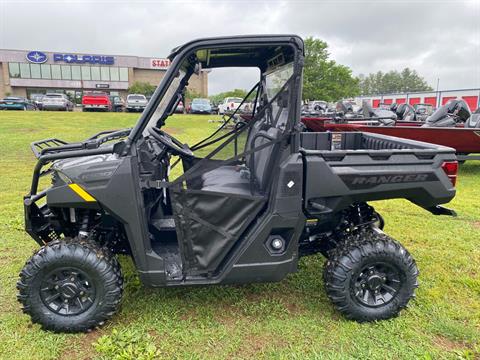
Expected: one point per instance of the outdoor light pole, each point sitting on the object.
(438, 94)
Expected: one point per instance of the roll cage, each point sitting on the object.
(213, 53)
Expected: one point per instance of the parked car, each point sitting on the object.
(118, 104)
(37, 100)
(96, 101)
(136, 102)
(16, 103)
(200, 106)
(56, 101)
(229, 104)
(215, 108)
(180, 108)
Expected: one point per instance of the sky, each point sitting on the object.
(439, 39)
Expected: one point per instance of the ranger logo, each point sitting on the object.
(356, 182)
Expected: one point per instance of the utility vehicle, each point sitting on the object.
(243, 212)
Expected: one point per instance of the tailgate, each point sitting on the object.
(343, 168)
(95, 100)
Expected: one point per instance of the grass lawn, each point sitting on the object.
(290, 319)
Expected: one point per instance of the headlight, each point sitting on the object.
(59, 178)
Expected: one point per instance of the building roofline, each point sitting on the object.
(86, 52)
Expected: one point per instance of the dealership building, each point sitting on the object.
(26, 72)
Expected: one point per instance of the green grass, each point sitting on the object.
(290, 319)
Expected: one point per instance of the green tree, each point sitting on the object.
(324, 79)
(140, 87)
(392, 82)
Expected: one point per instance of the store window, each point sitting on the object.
(95, 70)
(24, 70)
(56, 73)
(35, 70)
(114, 74)
(66, 72)
(123, 74)
(46, 73)
(105, 73)
(86, 73)
(76, 73)
(14, 70)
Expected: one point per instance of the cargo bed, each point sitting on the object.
(341, 168)
(466, 141)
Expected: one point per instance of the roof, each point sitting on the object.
(239, 40)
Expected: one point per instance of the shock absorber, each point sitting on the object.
(84, 226)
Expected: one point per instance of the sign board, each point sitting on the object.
(36, 57)
(159, 64)
(84, 59)
(102, 86)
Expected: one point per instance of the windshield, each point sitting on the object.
(234, 100)
(136, 97)
(201, 101)
(276, 79)
(172, 91)
(54, 95)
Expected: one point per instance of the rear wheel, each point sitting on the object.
(371, 277)
(71, 285)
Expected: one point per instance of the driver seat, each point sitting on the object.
(237, 179)
(258, 165)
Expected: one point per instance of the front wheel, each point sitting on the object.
(370, 278)
(70, 285)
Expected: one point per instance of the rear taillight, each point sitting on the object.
(451, 169)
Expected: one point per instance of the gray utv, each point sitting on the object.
(263, 194)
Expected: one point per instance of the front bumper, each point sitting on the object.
(95, 106)
(136, 107)
(54, 107)
(36, 219)
(12, 106)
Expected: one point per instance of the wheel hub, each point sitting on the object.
(376, 284)
(67, 291)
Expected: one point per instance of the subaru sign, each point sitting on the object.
(84, 59)
(36, 57)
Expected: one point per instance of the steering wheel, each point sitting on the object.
(174, 145)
